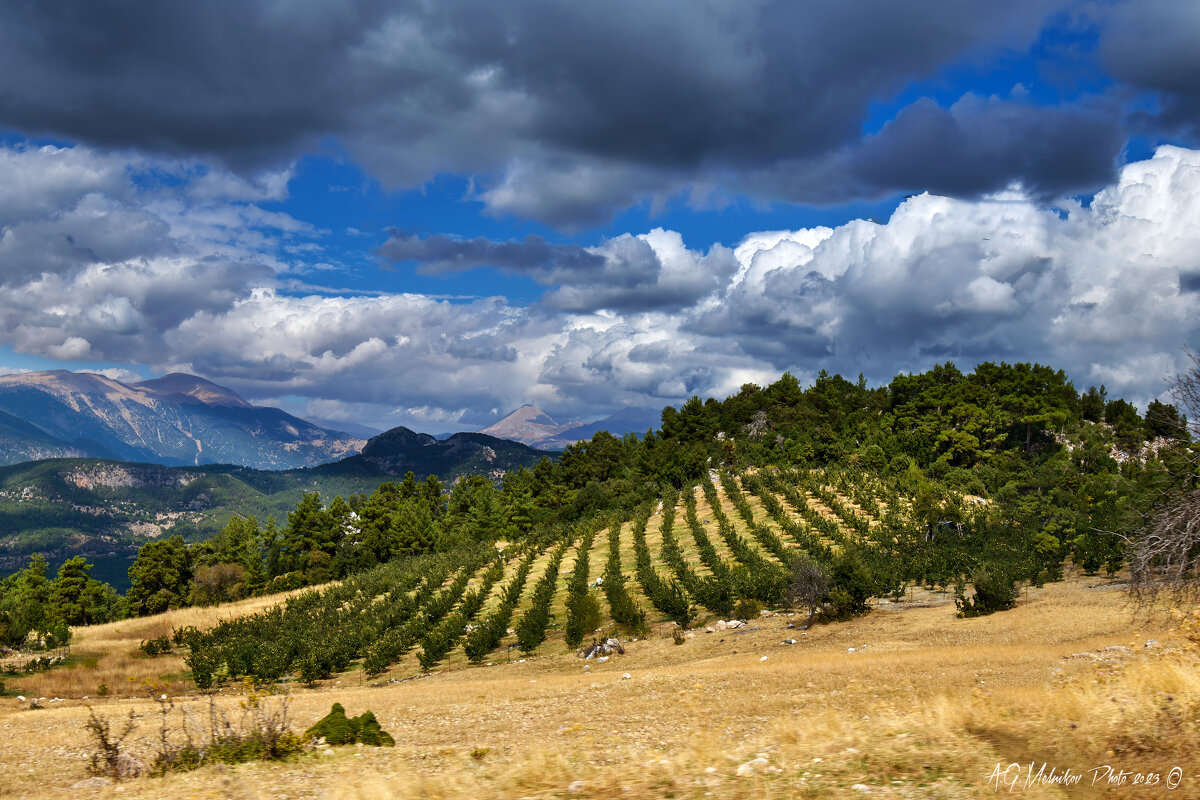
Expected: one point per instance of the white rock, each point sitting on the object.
(721, 625)
(861, 787)
(576, 787)
(602, 659)
(709, 629)
(587, 667)
(20, 698)
(626, 676)
(764, 658)
(1152, 643)
(752, 766)
(850, 650)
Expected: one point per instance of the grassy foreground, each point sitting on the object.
(929, 708)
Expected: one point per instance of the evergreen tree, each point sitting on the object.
(160, 578)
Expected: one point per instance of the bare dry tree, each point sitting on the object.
(1164, 563)
(809, 586)
(1185, 391)
(1164, 559)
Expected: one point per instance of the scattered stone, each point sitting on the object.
(764, 658)
(587, 667)
(130, 766)
(602, 659)
(861, 787)
(752, 766)
(605, 648)
(788, 641)
(626, 676)
(576, 787)
(1152, 643)
(734, 624)
(851, 650)
(709, 629)
(721, 625)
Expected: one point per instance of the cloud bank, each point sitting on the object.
(569, 112)
(100, 261)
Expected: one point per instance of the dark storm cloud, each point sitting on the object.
(1153, 45)
(442, 253)
(981, 145)
(632, 99)
(651, 271)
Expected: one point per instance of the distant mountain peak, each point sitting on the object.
(180, 386)
(528, 425)
(532, 426)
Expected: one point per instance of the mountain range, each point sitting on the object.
(185, 420)
(536, 428)
(175, 420)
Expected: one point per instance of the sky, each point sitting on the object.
(427, 214)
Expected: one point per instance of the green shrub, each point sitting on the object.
(995, 591)
(338, 729)
(155, 647)
(747, 608)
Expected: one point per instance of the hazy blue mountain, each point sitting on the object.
(636, 420)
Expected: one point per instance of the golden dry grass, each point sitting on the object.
(927, 710)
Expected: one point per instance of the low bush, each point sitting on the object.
(338, 729)
(994, 591)
(155, 647)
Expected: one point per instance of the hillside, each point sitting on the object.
(105, 510)
(174, 420)
(401, 450)
(682, 715)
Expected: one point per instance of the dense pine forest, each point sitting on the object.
(819, 498)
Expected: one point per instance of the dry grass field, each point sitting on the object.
(927, 709)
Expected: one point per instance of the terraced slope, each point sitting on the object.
(694, 555)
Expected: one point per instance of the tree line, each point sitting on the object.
(1058, 474)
